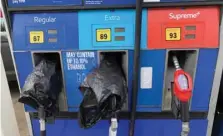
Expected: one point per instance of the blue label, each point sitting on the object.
(57, 32)
(121, 24)
(76, 66)
(28, 3)
(109, 2)
(126, 2)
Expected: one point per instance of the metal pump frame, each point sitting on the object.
(139, 5)
(216, 81)
(136, 63)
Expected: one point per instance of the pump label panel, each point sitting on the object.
(108, 29)
(76, 66)
(183, 28)
(28, 3)
(108, 2)
(103, 35)
(45, 31)
(172, 34)
(36, 37)
(79, 60)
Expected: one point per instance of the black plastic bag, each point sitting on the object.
(104, 91)
(42, 87)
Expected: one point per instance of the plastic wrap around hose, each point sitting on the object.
(42, 87)
(104, 91)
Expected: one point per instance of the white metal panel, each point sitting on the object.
(13, 59)
(9, 125)
(216, 82)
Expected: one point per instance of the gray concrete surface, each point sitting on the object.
(19, 110)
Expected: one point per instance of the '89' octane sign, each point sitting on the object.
(103, 35)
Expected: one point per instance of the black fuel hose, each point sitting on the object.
(138, 23)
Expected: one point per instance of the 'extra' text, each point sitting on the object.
(112, 18)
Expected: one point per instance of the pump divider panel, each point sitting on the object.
(55, 57)
(65, 127)
(126, 115)
(23, 61)
(76, 66)
(168, 127)
(145, 5)
(206, 65)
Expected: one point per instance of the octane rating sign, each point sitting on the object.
(172, 34)
(103, 35)
(36, 37)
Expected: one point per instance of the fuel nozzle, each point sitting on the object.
(176, 62)
(114, 118)
(42, 118)
(182, 91)
(113, 127)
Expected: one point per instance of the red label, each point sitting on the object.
(198, 27)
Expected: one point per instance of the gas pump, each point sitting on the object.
(182, 91)
(149, 85)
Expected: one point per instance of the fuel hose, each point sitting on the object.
(138, 23)
(182, 90)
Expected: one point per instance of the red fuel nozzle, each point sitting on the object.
(182, 90)
(182, 85)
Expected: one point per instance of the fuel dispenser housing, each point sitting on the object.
(185, 33)
(78, 40)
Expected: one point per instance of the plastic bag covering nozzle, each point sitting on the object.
(42, 87)
(104, 91)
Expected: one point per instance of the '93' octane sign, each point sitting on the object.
(172, 34)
